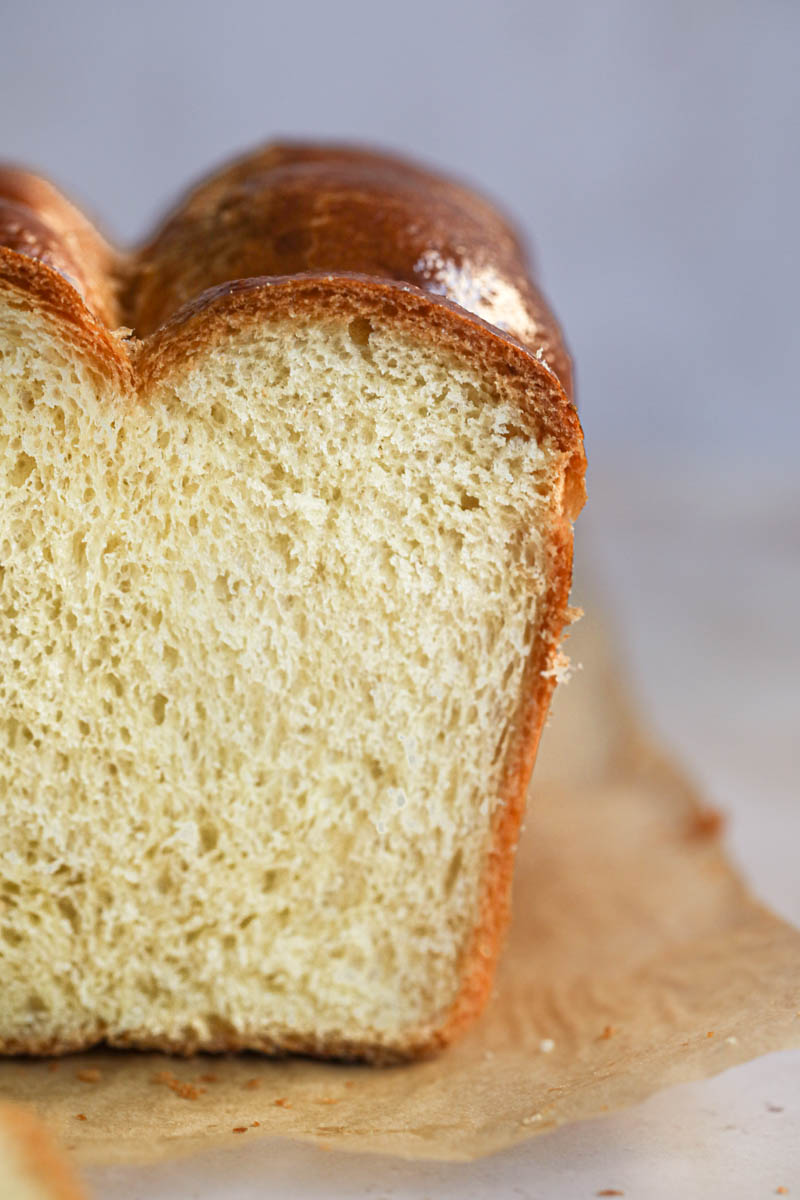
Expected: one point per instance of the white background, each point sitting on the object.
(649, 147)
(651, 150)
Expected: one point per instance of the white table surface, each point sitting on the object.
(703, 578)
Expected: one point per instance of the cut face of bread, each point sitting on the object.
(281, 594)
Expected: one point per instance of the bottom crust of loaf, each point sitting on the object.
(338, 1049)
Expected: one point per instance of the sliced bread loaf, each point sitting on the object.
(284, 574)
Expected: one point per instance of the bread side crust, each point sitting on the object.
(519, 374)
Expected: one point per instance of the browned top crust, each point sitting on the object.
(38, 222)
(329, 229)
(294, 208)
(337, 227)
(285, 210)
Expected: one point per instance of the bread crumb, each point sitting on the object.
(610, 1192)
(328, 1099)
(547, 1045)
(706, 823)
(608, 1032)
(252, 1084)
(731, 1041)
(240, 1129)
(781, 1191)
(282, 1102)
(710, 1033)
(80, 1116)
(561, 670)
(532, 1119)
(254, 1124)
(88, 1075)
(186, 1091)
(208, 1078)
(352, 1082)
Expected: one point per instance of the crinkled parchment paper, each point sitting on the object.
(636, 959)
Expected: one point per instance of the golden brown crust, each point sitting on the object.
(537, 688)
(295, 233)
(294, 208)
(377, 1051)
(51, 255)
(38, 1155)
(38, 222)
(25, 280)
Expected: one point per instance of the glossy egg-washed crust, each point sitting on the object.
(336, 234)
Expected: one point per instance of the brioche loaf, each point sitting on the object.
(285, 548)
(31, 1168)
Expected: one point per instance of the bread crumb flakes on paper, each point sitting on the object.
(186, 1091)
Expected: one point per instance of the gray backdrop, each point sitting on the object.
(650, 150)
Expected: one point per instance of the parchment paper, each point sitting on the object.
(636, 959)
